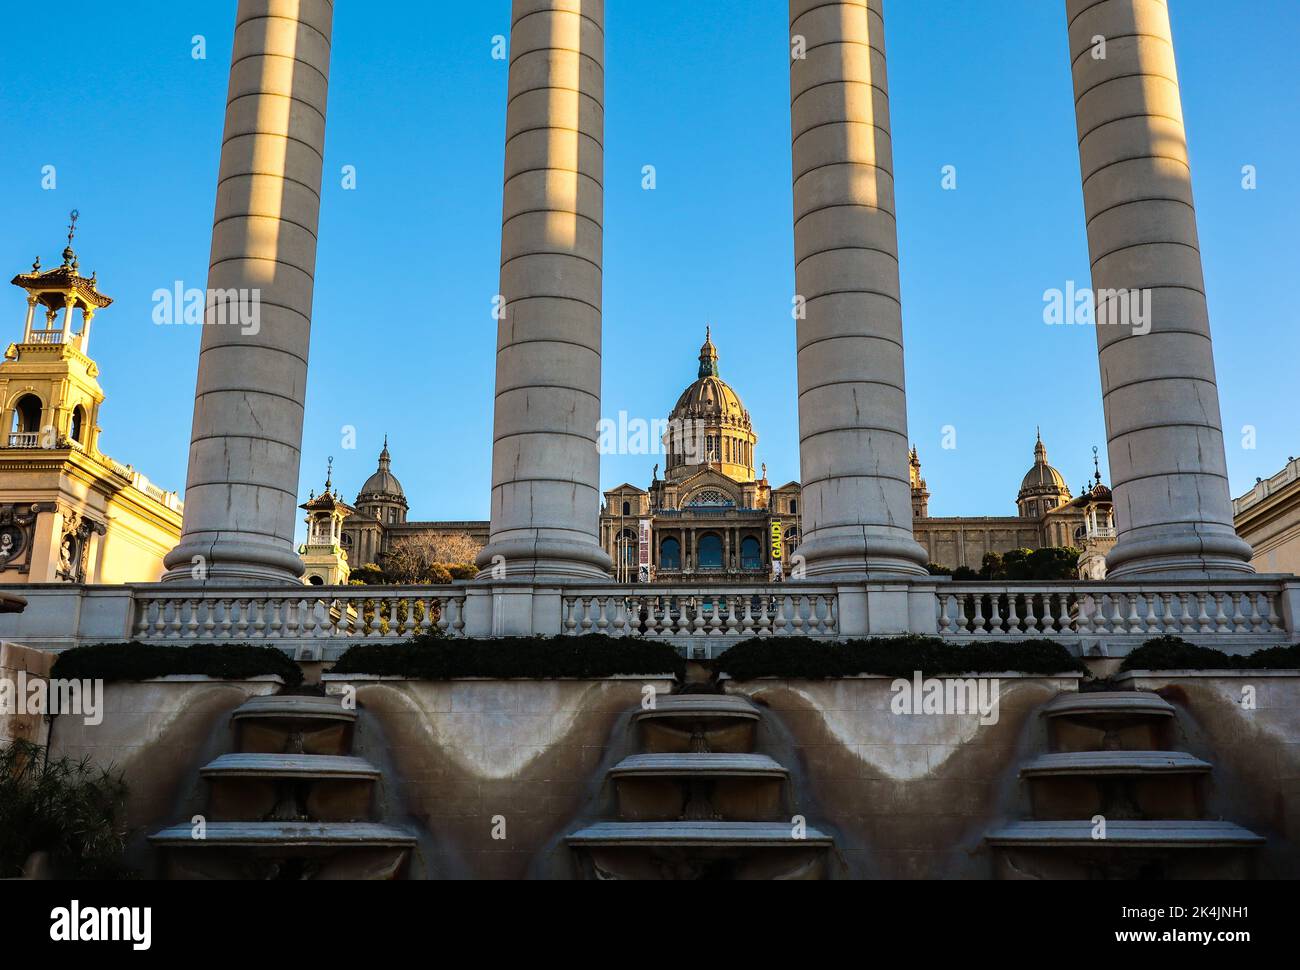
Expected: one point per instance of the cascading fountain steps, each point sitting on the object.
(699, 803)
(291, 803)
(1112, 760)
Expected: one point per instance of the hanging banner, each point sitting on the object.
(778, 549)
(645, 570)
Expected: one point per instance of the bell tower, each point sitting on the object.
(322, 554)
(49, 394)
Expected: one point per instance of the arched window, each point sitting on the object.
(78, 424)
(627, 508)
(710, 553)
(751, 553)
(27, 414)
(670, 554)
(794, 507)
(710, 498)
(317, 581)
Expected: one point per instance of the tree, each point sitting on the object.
(1022, 565)
(430, 558)
(1054, 564)
(455, 548)
(991, 567)
(368, 575)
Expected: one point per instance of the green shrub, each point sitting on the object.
(142, 661)
(802, 658)
(64, 807)
(1017, 565)
(367, 575)
(1175, 653)
(540, 658)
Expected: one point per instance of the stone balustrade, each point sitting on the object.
(696, 613)
(1090, 618)
(1080, 614)
(296, 616)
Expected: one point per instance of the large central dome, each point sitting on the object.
(1043, 488)
(710, 396)
(710, 427)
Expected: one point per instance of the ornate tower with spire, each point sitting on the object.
(920, 493)
(68, 512)
(48, 384)
(323, 554)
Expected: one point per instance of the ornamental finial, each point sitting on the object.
(70, 257)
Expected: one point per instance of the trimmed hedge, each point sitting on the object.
(141, 661)
(1175, 653)
(533, 658)
(805, 659)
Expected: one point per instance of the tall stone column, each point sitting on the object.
(241, 493)
(1167, 457)
(545, 462)
(853, 443)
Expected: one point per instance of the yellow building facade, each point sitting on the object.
(68, 512)
(1268, 517)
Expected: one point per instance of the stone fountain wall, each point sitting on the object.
(158, 733)
(19, 663)
(1248, 725)
(494, 774)
(491, 775)
(907, 796)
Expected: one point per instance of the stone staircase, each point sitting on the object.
(698, 803)
(291, 803)
(1112, 800)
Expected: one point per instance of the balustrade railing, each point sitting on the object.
(1108, 609)
(25, 439)
(1107, 618)
(356, 613)
(700, 612)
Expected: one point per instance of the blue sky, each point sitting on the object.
(403, 337)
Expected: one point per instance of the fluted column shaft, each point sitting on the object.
(241, 491)
(545, 462)
(1167, 457)
(853, 443)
